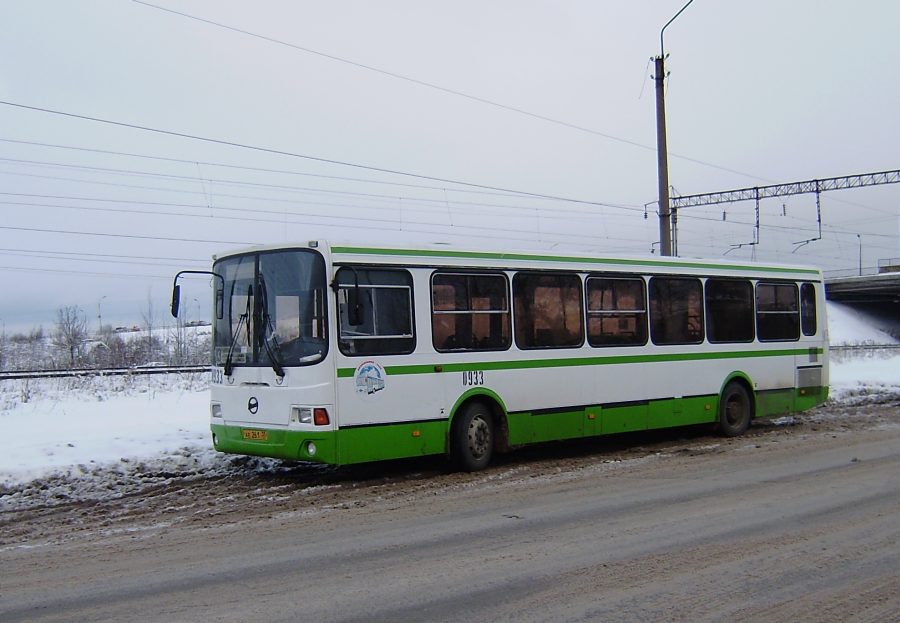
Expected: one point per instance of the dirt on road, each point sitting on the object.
(796, 520)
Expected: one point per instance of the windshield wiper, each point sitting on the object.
(265, 326)
(244, 319)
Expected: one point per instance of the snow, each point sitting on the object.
(875, 373)
(847, 325)
(55, 425)
(85, 429)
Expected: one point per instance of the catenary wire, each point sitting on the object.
(289, 154)
(443, 89)
(274, 187)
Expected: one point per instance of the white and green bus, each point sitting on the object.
(348, 354)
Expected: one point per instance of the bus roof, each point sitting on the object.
(447, 255)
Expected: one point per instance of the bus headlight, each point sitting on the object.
(311, 448)
(302, 415)
(215, 409)
(310, 415)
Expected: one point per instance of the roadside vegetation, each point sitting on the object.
(71, 344)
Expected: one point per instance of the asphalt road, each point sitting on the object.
(774, 527)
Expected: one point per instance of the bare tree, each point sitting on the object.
(178, 338)
(70, 333)
(149, 317)
(4, 349)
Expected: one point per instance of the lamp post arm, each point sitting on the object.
(662, 49)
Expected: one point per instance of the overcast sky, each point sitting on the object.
(549, 98)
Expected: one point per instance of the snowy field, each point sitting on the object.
(131, 429)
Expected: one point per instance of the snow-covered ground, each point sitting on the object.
(77, 425)
(76, 428)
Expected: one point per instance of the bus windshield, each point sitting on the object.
(273, 310)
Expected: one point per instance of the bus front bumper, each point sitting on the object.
(291, 445)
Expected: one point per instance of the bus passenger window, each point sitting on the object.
(777, 312)
(617, 312)
(470, 312)
(385, 305)
(549, 310)
(676, 310)
(729, 310)
(808, 309)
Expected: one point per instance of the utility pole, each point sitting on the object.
(100, 316)
(859, 240)
(659, 77)
(662, 158)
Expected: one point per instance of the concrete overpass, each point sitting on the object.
(877, 293)
(874, 289)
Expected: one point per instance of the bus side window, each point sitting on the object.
(729, 310)
(676, 310)
(617, 311)
(808, 309)
(385, 304)
(777, 312)
(548, 308)
(470, 312)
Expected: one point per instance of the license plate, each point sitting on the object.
(255, 435)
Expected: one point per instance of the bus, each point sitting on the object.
(346, 354)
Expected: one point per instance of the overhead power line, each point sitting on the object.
(42, 256)
(279, 152)
(64, 254)
(369, 224)
(86, 273)
(443, 89)
(133, 236)
(261, 185)
(208, 163)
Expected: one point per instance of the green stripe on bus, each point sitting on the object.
(582, 361)
(484, 255)
(393, 440)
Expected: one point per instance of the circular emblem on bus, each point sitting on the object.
(253, 405)
(370, 378)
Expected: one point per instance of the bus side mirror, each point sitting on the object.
(176, 300)
(354, 308)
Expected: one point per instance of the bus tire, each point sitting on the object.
(735, 410)
(473, 437)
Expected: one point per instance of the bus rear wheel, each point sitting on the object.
(735, 410)
(473, 438)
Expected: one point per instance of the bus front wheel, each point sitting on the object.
(735, 410)
(473, 438)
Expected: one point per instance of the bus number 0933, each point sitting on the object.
(474, 377)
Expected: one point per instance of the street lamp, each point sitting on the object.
(665, 215)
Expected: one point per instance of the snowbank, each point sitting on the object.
(849, 326)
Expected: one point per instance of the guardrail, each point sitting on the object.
(863, 347)
(52, 374)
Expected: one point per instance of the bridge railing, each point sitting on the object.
(866, 271)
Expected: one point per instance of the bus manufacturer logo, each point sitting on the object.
(253, 405)
(369, 378)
